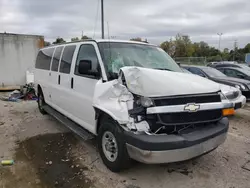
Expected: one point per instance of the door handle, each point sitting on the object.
(50, 74)
(72, 83)
(59, 79)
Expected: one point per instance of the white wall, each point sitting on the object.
(17, 54)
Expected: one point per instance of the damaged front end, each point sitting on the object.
(114, 99)
(164, 122)
(124, 101)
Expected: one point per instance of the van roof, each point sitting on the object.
(101, 40)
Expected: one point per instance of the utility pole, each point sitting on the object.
(235, 48)
(220, 34)
(102, 15)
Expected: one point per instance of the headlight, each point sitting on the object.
(222, 96)
(146, 102)
(233, 95)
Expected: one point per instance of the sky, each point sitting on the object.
(156, 20)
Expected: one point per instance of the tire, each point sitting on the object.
(41, 102)
(120, 160)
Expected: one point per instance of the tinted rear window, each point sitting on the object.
(67, 56)
(44, 58)
(56, 58)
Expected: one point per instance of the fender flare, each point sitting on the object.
(99, 111)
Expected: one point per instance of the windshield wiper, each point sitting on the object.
(163, 69)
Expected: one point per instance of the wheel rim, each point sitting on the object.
(109, 146)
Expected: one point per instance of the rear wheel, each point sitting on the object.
(41, 101)
(112, 146)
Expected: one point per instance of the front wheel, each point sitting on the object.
(41, 102)
(111, 145)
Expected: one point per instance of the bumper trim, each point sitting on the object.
(164, 142)
(182, 154)
(181, 108)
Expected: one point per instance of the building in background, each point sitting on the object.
(17, 55)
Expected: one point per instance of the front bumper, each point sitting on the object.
(153, 149)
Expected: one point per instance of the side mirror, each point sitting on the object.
(85, 68)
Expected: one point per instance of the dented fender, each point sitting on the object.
(114, 99)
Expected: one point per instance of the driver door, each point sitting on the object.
(83, 87)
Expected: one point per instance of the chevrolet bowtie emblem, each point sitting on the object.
(191, 107)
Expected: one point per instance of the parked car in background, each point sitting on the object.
(232, 94)
(242, 73)
(243, 66)
(219, 77)
(213, 64)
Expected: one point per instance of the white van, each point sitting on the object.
(134, 98)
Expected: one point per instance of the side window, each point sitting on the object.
(66, 60)
(87, 52)
(221, 70)
(44, 58)
(56, 58)
(230, 72)
(196, 71)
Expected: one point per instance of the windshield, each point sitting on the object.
(185, 71)
(212, 72)
(245, 67)
(245, 70)
(117, 55)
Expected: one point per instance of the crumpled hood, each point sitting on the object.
(156, 83)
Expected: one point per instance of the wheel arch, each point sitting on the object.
(39, 88)
(100, 114)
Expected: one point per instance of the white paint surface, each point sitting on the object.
(157, 83)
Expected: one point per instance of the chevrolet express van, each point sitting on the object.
(134, 98)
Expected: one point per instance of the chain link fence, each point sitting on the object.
(191, 60)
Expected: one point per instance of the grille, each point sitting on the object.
(248, 85)
(189, 118)
(246, 94)
(177, 100)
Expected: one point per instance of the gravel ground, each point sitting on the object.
(47, 155)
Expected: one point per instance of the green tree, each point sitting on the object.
(226, 50)
(183, 46)
(75, 39)
(246, 49)
(59, 40)
(169, 47)
(225, 54)
(46, 43)
(84, 37)
(138, 39)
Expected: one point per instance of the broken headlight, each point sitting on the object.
(145, 101)
(222, 96)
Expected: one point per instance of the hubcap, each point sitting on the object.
(109, 146)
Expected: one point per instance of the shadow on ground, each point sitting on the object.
(48, 158)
